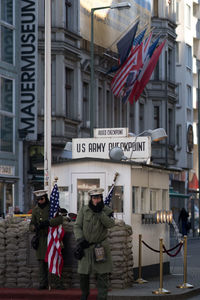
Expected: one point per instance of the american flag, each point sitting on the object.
(109, 196)
(55, 236)
(132, 63)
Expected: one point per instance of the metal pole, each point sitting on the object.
(161, 291)
(166, 111)
(47, 99)
(185, 285)
(140, 280)
(92, 75)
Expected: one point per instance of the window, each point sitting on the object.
(178, 92)
(109, 109)
(156, 117)
(6, 31)
(155, 8)
(179, 136)
(117, 199)
(189, 96)
(64, 200)
(171, 135)
(101, 108)
(188, 16)
(69, 93)
(86, 117)
(188, 56)
(153, 200)
(164, 199)
(170, 65)
(83, 186)
(156, 71)
(135, 199)
(143, 198)
(178, 52)
(68, 12)
(6, 115)
(177, 11)
(117, 112)
(141, 117)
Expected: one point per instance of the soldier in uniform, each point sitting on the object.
(40, 223)
(90, 231)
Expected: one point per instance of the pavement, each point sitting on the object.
(137, 291)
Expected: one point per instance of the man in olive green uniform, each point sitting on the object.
(90, 230)
(40, 223)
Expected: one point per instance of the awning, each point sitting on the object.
(175, 194)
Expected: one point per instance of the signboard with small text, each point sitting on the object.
(139, 147)
(110, 132)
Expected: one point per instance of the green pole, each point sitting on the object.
(92, 75)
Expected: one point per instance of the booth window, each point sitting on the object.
(135, 199)
(83, 186)
(153, 199)
(164, 199)
(64, 197)
(117, 199)
(143, 199)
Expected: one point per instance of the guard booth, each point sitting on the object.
(140, 191)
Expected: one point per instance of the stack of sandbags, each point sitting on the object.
(11, 250)
(24, 271)
(122, 256)
(2, 252)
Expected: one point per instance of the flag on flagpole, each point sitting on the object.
(126, 42)
(133, 63)
(146, 75)
(55, 236)
(131, 90)
(132, 77)
(109, 196)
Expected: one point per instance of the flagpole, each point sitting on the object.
(47, 99)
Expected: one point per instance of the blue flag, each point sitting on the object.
(125, 44)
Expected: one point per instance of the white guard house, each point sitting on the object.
(141, 190)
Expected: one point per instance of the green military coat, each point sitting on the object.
(40, 215)
(93, 227)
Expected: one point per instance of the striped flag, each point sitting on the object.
(109, 196)
(133, 63)
(55, 236)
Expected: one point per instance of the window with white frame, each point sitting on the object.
(6, 31)
(188, 56)
(143, 199)
(153, 199)
(188, 16)
(6, 115)
(164, 199)
(135, 199)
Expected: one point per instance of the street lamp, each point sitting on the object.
(156, 135)
(112, 6)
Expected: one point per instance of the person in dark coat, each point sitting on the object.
(183, 221)
(90, 229)
(40, 223)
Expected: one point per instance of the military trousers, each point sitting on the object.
(102, 286)
(43, 273)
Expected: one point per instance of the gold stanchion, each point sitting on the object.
(185, 285)
(161, 290)
(140, 280)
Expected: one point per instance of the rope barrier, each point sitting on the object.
(165, 250)
(173, 255)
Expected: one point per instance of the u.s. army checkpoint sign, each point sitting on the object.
(100, 147)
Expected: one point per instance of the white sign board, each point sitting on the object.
(100, 147)
(110, 132)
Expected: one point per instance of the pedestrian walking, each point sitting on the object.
(39, 224)
(90, 229)
(183, 221)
